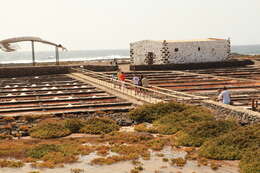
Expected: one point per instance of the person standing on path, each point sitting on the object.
(136, 81)
(140, 83)
(145, 82)
(122, 79)
(225, 96)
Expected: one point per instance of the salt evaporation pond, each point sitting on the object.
(154, 165)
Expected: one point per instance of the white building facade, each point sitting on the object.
(148, 52)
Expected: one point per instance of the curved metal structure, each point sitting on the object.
(6, 45)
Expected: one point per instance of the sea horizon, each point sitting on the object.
(95, 54)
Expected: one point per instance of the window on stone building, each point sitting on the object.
(198, 48)
(176, 49)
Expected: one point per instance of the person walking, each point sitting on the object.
(118, 74)
(122, 78)
(145, 82)
(136, 81)
(140, 83)
(225, 96)
(140, 80)
(113, 79)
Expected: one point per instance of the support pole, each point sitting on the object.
(33, 54)
(57, 55)
(253, 105)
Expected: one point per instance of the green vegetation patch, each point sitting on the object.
(41, 150)
(11, 164)
(74, 125)
(151, 112)
(49, 129)
(232, 145)
(176, 121)
(178, 161)
(54, 154)
(126, 152)
(126, 137)
(197, 133)
(144, 127)
(250, 161)
(99, 126)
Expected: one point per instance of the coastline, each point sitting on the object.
(101, 62)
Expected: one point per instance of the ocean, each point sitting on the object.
(84, 55)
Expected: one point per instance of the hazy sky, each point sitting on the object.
(113, 24)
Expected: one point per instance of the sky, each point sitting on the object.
(113, 24)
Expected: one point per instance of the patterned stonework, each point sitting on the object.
(131, 56)
(180, 52)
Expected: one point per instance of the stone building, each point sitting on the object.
(148, 52)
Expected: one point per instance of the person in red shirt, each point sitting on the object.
(122, 78)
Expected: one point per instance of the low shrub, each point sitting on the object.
(74, 125)
(151, 112)
(77, 170)
(138, 168)
(165, 159)
(99, 126)
(11, 164)
(138, 149)
(43, 165)
(157, 144)
(49, 129)
(127, 137)
(102, 150)
(250, 161)
(114, 159)
(178, 161)
(214, 165)
(197, 133)
(232, 145)
(59, 157)
(56, 154)
(134, 171)
(125, 153)
(136, 162)
(176, 121)
(41, 150)
(145, 128)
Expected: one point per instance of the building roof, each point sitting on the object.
(178, 41)
(194, 40)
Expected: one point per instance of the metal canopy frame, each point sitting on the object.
(5, 45)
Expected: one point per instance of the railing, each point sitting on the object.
(152, 94)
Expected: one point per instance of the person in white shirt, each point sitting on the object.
(224, 96)
(136, 81)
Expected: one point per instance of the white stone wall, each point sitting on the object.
(141, 48)
(188, 52)
(181, 52)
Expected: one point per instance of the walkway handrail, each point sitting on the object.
(163, 90)
(151, 94)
